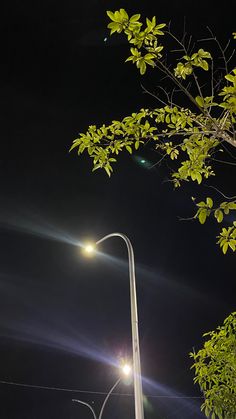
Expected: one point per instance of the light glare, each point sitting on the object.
(89, 248)
(126, 369)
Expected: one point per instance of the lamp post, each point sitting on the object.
(138, 396)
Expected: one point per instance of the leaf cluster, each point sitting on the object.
(141, 38)
(227, 236)
(198, 59)
(215, 370)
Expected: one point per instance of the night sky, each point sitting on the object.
(65, 319)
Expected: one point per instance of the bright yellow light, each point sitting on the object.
(126, 369)
(89, 249)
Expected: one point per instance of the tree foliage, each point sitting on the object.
(190, 137)
(215, 370)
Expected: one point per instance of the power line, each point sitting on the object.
(102, 393)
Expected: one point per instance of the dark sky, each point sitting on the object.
(65, 320)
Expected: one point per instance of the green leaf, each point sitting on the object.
(75, 144)
(136, 145)
(135, 52)
(230, 78)
(96, 166)
(232, 244)
(204, 65)
(148, 57)
(129, 149)
(108, 169)
(201, 204)
(219, 215)
(130, 58)
(142, 67)
(202, 215)
(200, 101)
(209, 202)
(135, 18)
(110, 15)
(203, 53)
(114, 26)
(199, 177)
(225, 247)
(124, 14)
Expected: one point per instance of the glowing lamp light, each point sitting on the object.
(126, 369)
(89, 249)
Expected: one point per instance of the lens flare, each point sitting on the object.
(126, 369)
(28, 222)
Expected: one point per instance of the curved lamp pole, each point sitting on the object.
(107, 397)
(104, 403)
(138, 396)
(86, 404)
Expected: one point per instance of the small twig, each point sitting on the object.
(231, 56)
(185, 219)
(221, 193)
(177, 50)
(223, 161)
(227, 45)
(227, 151)
(189, 43)
(153, 95)
(221, 49)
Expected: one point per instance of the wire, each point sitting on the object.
(12, 383)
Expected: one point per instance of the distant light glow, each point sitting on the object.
(141, 161)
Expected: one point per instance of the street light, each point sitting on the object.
(126, 370)
(138, 396)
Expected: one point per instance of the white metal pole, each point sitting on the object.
(138, 394)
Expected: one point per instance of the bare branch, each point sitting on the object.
(224, 161)
(221, 49)
(186, 219)
(153, 95)
(221, 193)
